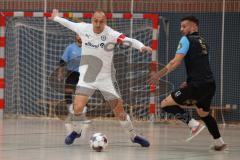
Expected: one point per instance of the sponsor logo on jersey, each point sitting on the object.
(179, 46)
(203, 46)
(103, 38)
(89, 44)
(102, 45)
(87, 35)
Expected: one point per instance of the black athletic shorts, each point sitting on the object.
(200, 95)
(72, 79)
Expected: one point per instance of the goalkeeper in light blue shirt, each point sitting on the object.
(69, 66)
(72, 56)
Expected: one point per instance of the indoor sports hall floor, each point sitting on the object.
(43, 139)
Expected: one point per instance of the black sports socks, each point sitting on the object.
(212, 126)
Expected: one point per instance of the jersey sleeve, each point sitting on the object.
(117, 36)
(76, 27)
(120, 38)
(183, 46)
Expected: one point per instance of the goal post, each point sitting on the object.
(22, 35)
(2, 62)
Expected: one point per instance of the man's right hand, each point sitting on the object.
(54, 14)
(154, 78)
(146, 49)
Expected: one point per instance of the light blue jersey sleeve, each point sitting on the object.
(183, 46)
(72, 56)
(67, 53)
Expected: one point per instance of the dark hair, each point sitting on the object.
(191, 18)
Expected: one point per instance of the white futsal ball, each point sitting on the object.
(98, 142)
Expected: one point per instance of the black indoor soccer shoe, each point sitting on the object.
(140, 140)
(71, 137)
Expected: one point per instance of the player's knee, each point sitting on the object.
(163, 103)
(202, 113)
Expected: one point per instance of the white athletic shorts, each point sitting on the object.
(104, 82)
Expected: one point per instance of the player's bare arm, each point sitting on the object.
(171, 66)
(69, 24)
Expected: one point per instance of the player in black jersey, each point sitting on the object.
(199, 88)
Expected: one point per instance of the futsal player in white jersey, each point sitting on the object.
(97, 71)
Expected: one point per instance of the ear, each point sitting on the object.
(195, 27)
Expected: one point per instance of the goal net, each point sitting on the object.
(33, 51)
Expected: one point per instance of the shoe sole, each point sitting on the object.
(223, 148)
(200, 130)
